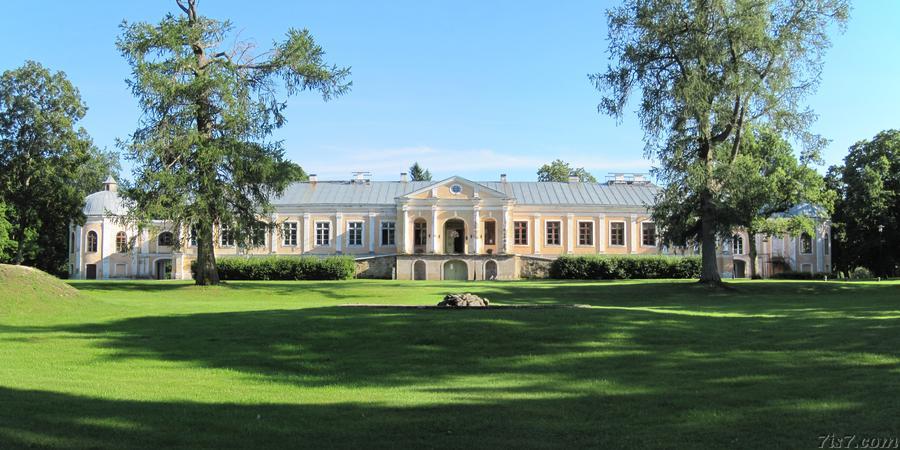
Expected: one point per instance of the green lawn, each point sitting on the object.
(281, 364)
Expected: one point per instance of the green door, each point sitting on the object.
(455, 270)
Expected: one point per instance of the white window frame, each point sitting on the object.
(578, 233)
(223, 231)
(292, 232)
(527, 232)
(734, 240)
(655, 234)
(252, 237)
(192, 236)
(624, 233)
(547, 233)
(812, 244)
(158, 236)
(381, 226)
(124, 248)
(362, 233)
(316, 233)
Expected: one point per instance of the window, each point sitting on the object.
(387, 233)
(420, 233)
(164, 239)
(192, 240)
(585, 233)
(648, 234)
(289, 232)
(456, 189)
(805, 243)
(258, 235)
(323, 233)
(737, 245)
(617, 233)
(120, 270)
(121, 242)
(520, 232)
(826, 244)
(490, 232)
(355, 234)
(553, 227)
(226, 236)
(92, 241)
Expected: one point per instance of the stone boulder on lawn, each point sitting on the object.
(463, 301)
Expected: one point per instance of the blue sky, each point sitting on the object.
(469, 88)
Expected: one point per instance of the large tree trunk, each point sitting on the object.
(751, 241)
(206, 273)
(709, 271)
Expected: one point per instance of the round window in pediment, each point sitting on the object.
(456, 189)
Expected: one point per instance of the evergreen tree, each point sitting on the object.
(417, 173)
(203, 152)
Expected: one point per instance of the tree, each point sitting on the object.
(42, 152)
(764, 182)
(707, 69)
(202, 151)
(417, 173)
(867, 215)
(558, 170)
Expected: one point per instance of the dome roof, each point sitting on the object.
(103, 202)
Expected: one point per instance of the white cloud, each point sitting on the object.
(387, 163)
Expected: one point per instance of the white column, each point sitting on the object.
(795, 244)
(536, 234)
(78, 272)
(305, 239)
(372, 233)
(601, 233)
(435, 245)
(338, 231)
(634, 233)
(476, 228)
(134, 254)
(104, 260)
(273, 236)
(504, 228)
(570, 233)
(407, 236)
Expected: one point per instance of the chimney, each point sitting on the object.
(313, 179)
(403, 177)
(503, 178)
(573, 179)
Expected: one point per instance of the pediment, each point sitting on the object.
(456, 188)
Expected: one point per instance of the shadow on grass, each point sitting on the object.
(649, 368)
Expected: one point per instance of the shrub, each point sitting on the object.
(612, 267)
(861, 273)
(284, 268)
(794, 275)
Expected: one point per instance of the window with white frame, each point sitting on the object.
(355, 234)
(258, 235)
(737, 244)
(617, 234)
(289, 234)
(192, 239)
(826, 245)
(226, 236)
(388, 233)
(121, 242)
(165, 239)
(553, 229)
(586, 233)
(520, 232)
(648, 234)
(323, 233)
(806, 243)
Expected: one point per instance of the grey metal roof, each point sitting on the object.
(102, 203)
(525, 193)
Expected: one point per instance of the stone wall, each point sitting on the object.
(381, 267)
(534, 267)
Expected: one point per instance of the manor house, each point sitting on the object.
(449, 229)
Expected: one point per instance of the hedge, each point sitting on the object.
(611, 267)
(284, 268)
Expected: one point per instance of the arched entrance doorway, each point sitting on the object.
(419, 270)
(163, 269)
(454, 236)
(740, 269)
(490, 270)
(455, 270)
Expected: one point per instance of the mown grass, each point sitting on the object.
(282, 364)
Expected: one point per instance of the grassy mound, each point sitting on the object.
(28, 290)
